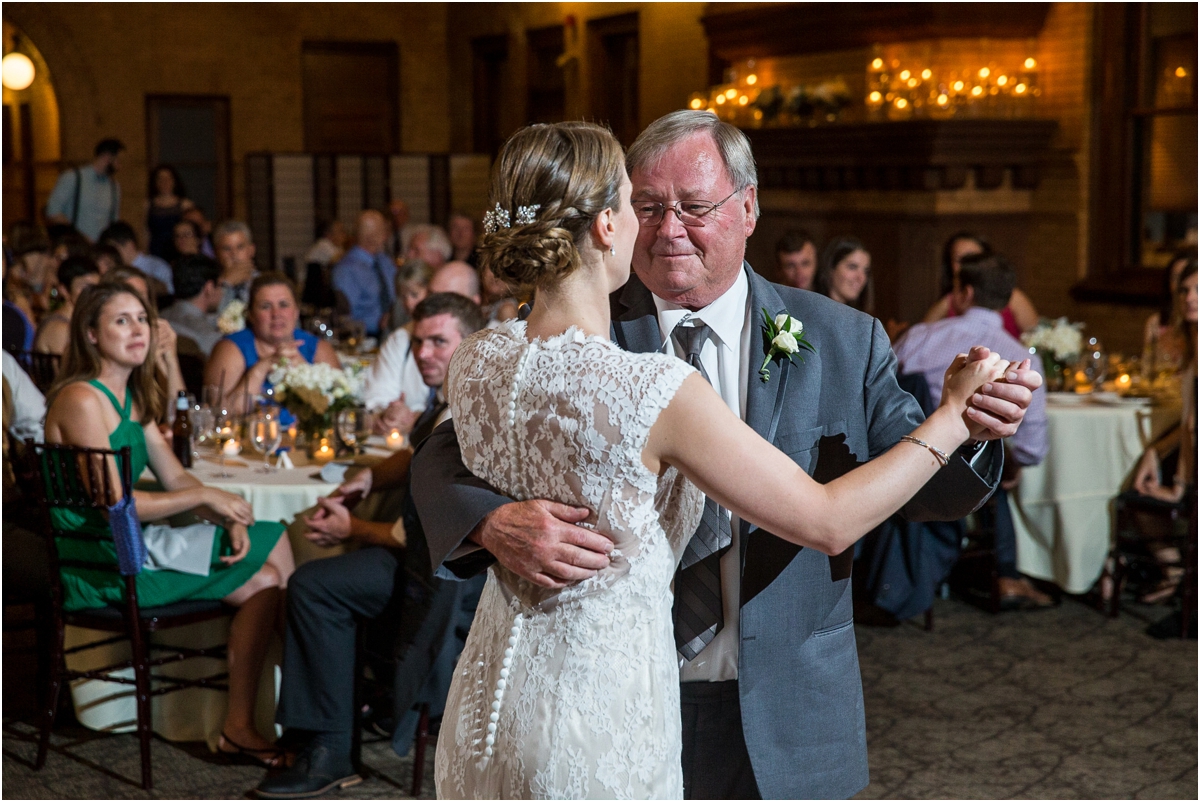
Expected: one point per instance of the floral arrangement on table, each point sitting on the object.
(316, 393)
(232, 318)
(1057, 342)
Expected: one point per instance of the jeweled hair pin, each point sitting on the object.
(499, 218)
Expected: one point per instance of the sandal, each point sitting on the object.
(1166, 587)
(271, 758)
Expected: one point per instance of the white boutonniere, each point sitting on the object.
(785, 337)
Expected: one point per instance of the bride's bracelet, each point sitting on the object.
(937, 452)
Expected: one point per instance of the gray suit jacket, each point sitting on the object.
(801, 692)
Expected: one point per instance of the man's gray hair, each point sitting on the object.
(438, 238)
(668, 130)
(232, 227)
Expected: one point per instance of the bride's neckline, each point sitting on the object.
(518, 330)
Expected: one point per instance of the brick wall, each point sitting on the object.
(106, 57)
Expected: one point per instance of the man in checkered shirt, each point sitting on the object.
(982, 289)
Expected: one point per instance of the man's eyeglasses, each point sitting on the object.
(689, 212)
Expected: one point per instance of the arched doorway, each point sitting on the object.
(31, 136)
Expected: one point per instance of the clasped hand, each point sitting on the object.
(330, 523)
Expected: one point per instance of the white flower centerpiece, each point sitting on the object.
(315, 394)
(1058, 343)
(232, 318)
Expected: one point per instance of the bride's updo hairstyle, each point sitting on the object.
(572, 171)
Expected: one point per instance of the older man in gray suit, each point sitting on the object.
(771, 692)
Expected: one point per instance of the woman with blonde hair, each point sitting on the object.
(107, 397)
(573, 692)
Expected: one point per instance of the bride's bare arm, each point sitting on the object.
(730, 462)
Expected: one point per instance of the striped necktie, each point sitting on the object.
(698, 611)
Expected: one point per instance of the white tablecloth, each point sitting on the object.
(197, 714)
(1062, 509)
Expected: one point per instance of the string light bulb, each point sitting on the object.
(18, 71)
(751, 79)
(1020, 89)
(926, 73)
(875, 97)
(958, 86)
(984, 72)
(943, 99)
(901, 103)
(1030, 63)
(877, 64)
(696, 103)
(977, 91)
(1180, 72)
(730, 93)
(1002, 80)
(904, 76)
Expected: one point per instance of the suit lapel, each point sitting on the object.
(764, 400)
(635, 318)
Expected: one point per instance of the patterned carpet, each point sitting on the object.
(1057, 704)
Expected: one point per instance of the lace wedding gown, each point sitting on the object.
(575, 693)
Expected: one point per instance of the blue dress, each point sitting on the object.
(244, 340)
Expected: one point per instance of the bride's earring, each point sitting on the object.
(613, 250)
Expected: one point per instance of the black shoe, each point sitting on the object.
(316, 771)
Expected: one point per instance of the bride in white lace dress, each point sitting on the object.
(574, 693)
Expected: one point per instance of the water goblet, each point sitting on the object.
(265, 435)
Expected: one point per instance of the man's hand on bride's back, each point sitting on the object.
(538, 540)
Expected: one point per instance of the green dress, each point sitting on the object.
(87, 588)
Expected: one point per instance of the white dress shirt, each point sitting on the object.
(395, 372)
(724, 356)
(29, 405)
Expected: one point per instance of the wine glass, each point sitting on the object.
(1092, 366)
(352, 427)
(202, 424)
(265, 436)
(223, 433)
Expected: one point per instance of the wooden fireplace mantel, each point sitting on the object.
(928, 155)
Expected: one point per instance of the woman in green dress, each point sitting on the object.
(106, 397)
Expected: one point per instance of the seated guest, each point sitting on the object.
(107, 397)
(106, 258)
(330, 246)
(167, 201)
(244, 359)
(1164, 344)
(327, 598)
(845, 274)
(28, 405)
(197, 295)
(796, 259)
(75, 274)
(204, 227)
(1019, 315)
(983, 287)
(430, 244)
(392, 382)
(66, 241)
(18, 328)
(120, 235)
(185, 238)
(461, 230)
(235, 252)
(30, 278)
(366, 275)
(166, 354)
(1175, 452)
(397, 241)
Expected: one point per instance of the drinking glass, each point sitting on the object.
(224, 430)
(353, 427)
(202, 425)
(1093, 364)
(265, 436)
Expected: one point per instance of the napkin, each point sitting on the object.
(284, 461)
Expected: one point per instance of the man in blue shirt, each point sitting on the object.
(89, 197)
(120, 235)
(366, 276)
